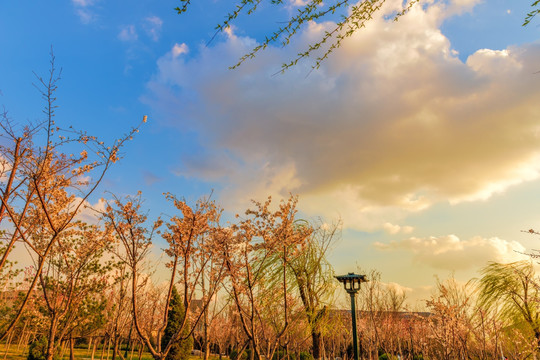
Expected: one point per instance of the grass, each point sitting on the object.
(12, 352)
(80, 353)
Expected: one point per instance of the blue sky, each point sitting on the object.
(420, 135)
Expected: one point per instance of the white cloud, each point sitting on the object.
(451, 253)
(398, 288)
(83, 9)
(298, 3)
(90, 213)
(152, 25)
(391, 228)
(179, 49)
(457, 7)
(85, 16)
(407, 229)
(391, 124)
(128, 33)
(83, 3)
(396, 229)
(486, 61)
(229, 31)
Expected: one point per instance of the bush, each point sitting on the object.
(282, 354)
(304, 355)
(279, 354)
(180, 350)
(234, 354)
(38, 349)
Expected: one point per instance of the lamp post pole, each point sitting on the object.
(354, 329)
(352, 282)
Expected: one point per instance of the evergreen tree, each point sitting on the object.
(181, 349)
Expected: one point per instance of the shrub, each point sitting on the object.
(180, 350)
(38, 350)
(304, 355)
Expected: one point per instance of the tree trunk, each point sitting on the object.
(132, 350)
(8, 343)
(141, 349)
(23, 335)
(26, 339)
(94, 346)
(52, 334)
(206, 345)
(71, 347)
(316, 339)
(537, 335)
(129, 344)
(102, 349)
(115, 347)
(252, 350)
(206, 348)
(62, 348)
(108, 347)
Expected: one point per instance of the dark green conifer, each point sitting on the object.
(181, 349)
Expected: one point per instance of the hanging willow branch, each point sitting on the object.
(354, 16)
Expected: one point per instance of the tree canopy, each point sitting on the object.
(511, 290)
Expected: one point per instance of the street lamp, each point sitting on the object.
(352, 282)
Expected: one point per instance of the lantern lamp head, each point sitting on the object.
(352, 282)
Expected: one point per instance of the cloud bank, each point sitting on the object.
(452, 253)
(392, 123)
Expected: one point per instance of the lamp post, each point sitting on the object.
(352, 282)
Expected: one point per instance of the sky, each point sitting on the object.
(420, 136)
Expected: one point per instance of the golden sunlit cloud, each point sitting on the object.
(452, 253)
(391, 124)
(396, 229)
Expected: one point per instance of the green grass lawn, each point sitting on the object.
(80, 353)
